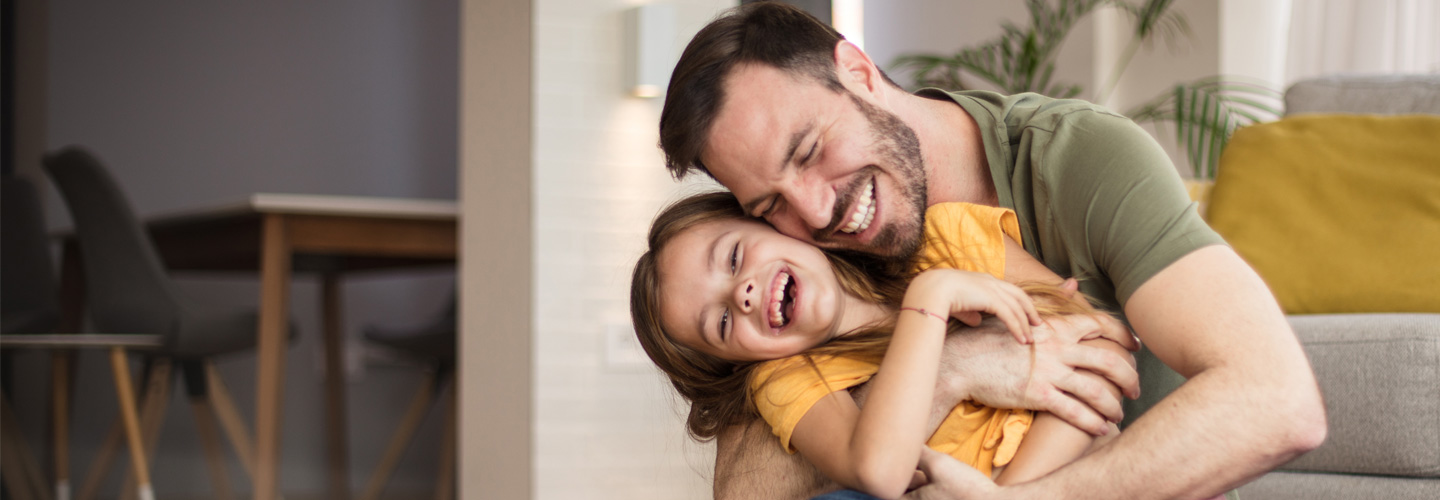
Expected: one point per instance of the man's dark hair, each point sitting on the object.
(779, 35)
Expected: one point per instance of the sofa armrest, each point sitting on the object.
(1380, 375)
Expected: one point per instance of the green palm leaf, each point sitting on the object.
(1206, 112)
(1022, 59)
(1019, 60)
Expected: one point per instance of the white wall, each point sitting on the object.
(194, 103)
(1158, 67)
(604, 429)
(897, 27)
(1252, 39)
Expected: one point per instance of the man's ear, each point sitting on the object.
(856, 71)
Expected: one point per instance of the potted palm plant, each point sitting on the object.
(1022, 59)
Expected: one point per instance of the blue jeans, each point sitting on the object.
(845, 495)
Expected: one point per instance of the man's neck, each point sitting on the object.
(950, 141)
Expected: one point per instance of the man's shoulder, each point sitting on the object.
(1025, 110)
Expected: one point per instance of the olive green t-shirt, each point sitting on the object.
(1097, 198)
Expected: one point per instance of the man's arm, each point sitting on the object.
(983, 363)
(750, 464)
(1251, 402)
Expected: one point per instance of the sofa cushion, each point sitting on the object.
(1304, 486)
(1338, 213)
(1380, 375)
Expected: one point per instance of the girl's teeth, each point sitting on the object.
(777, 299)
(864, 212)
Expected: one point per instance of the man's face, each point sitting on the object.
(821, 166)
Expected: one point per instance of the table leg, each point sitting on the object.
(336, 433)
(270, 373)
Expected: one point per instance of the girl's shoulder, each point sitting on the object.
(785, 374)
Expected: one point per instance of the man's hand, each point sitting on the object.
(950, 480)
(1058, 375)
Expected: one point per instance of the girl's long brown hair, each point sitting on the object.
(718, 390)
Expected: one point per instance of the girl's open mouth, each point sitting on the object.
(782, 299)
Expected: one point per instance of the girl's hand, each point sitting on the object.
(964, 295)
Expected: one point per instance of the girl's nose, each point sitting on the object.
(745, 297)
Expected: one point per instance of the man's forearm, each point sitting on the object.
(986, 365)
(1250, 402)
(1218, 431)
(749, 463)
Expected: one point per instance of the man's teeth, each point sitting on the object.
(864, 211)
(777, 300)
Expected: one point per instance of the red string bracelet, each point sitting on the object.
(922, 310)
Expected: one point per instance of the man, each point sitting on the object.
(810, 135)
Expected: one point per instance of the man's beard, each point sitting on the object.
(896, 144)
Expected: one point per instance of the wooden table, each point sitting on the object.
(281, 234)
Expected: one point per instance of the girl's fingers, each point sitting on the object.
(1024, 308)
(1010, 315)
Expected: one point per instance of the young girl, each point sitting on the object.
(747, 321)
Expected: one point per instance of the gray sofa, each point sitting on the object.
(1379, 373)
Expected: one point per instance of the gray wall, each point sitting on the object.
(195, 103)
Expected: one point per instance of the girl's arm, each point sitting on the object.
(876, 449)
(1051, 442)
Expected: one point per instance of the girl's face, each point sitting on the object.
(739, 290)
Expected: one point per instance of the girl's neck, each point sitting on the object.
(860, 313)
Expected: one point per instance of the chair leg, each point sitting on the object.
(18, 465)
(60, 424)
(400, 439)
(104, 457)
(230, 420)
(210, 442)
(125, 392)
(157, 400)
(445, 480)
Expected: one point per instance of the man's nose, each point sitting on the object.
(747, 296)
(812, 203)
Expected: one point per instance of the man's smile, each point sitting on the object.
(864, 211)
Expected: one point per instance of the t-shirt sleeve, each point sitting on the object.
(1113, 192)
(967, 237)
(784, 390)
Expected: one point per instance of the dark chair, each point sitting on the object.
(127, 290)
(29, 304)
(29, 294)
(434, 344)
(32, 315)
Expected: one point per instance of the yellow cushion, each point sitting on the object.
(1338, 213)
